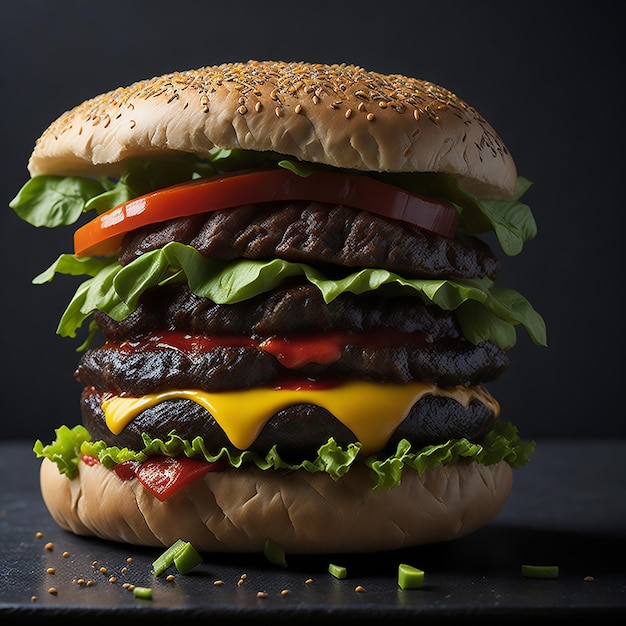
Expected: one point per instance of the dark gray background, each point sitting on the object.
(547, 75)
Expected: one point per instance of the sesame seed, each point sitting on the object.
(370, 117)
(129, 559)
(103, 570)
(416, 114)
(52, 591)
(242, 110)
(348, 113)
(33, 598)
(315, 100)
(278, 111)
(50, 570)
(285, 592)
(382, 104)
(80, 581)
(112, 579)
(589, 579)
(258, 106)
(39, 534)
(273, 94)
(298, 108)
(241, 100)
(218, 583)
(359, 589)
(66, 554)
(308, 581)
(361, 107)
(90, 583)
(170, 578)
(261, 594)
(49, 546)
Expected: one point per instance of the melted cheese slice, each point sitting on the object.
(372, 411)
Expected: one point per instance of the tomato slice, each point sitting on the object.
(103, 235)
(163, 476)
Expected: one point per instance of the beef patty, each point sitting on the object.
(402, 339)
(297, 431)
(315, 233)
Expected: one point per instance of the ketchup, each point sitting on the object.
(293, 351)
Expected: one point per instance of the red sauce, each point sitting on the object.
(293, 351)
(184, 342)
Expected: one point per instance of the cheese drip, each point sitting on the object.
(372, 411)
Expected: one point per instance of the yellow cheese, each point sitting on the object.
(372, 411)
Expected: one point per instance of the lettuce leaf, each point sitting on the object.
(501, 444)
(55, 200)
(65, 449)
(484, 312)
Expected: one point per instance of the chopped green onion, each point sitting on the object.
(167, 558)
(187, 558)
(338, 571)
(410, 577)
(274, 553)
(540, 571)
(182, 554)
(142, 592)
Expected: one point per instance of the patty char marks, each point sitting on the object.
(298, 431)
(298, 307)
(386, 339)
(153, 368)
(315, 233)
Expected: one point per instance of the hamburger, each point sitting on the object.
(289, 315)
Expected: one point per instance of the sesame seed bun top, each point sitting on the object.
(339, 115)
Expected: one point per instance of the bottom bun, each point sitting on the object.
(238, 510)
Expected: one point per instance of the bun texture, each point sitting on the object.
(338, 115)
(237, 510)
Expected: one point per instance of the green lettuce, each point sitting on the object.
(484, 312)
(56, 200)
(502, 443)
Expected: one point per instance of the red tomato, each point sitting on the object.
(126, 469)
(163, 476)
(103, 235)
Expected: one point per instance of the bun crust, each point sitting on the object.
(339, 115)
(237, 510)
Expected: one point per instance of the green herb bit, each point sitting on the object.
(145, 593)
(187, 558)
(167, 558)
(338, 571)
(540, 571)
(274, 553)
(410, 577)
(182, 554)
